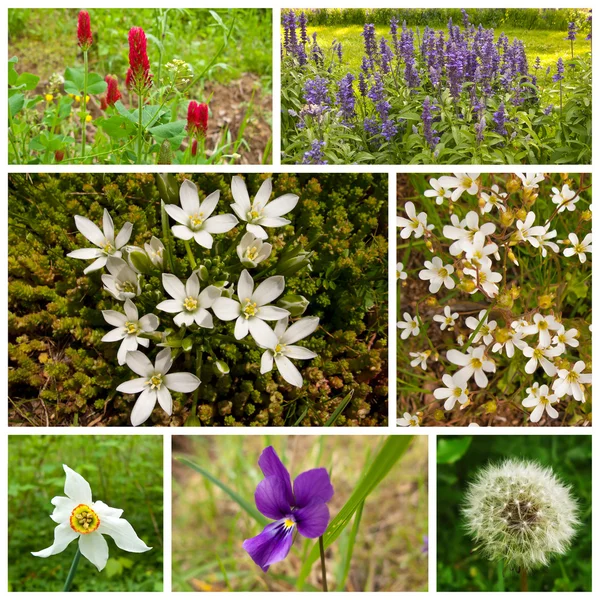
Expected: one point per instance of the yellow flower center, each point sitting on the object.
(476, 363)
(579, 248)
(544, 400)
(108, 248)
(155, 382)
(253, 214)
(250, 309)
(84, 520)
(542, 325)
(443, 272)
(251, 253)
(457, 393)
(127, 287)
(132, 328)
(278, 349)
(482, 277)
(196, 220)
(190, 303)
(572, 376)
(288, 523)
(538, 353)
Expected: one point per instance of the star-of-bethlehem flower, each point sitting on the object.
(155, 251)
(154, 384)
(195, 216)
(121, 281)
(251, 310)
(252, 250)
(188, 301)
(260, 212)
(79, 518)
(280, 348)
(105, 240)
(302, 508)
(128, 327)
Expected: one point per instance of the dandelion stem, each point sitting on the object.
(524, 580)
(323, 570)
(72, 571)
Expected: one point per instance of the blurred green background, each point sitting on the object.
(458, 460)
(123, 471)
(388, 553)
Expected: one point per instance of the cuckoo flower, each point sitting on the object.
(79, 518)
(154, 384)
(302, 508)
(128, 327)
(107, 244)
(251, 310)
(194, 216)
(260, 212)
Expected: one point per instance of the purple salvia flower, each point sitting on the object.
(302, 23)
(371, 126)
(386, 55)
(315, 155)
(345, 97)
(548, 109)
(407, 52)
(362, 84)
(560, 71)
(302, 508)
(500, 120)
(394, 34)
(339, 51)
(479, 129)
(571, 32)
(427, 117)
(315, 91)
(388, 129)
(370, 43)
(465, 19)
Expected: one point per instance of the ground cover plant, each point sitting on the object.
(375, 520)
(147, 86)
(417, 91)
(494, 299)
(542, 551)
(123, 473)
(220, 300)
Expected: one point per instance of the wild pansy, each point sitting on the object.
(301, 508)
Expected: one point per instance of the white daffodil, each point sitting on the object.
(527, 232)
(461, 182)
(420, 358)
(410, 326)
(542, 325)
(79, 518)
(194, 216)
(154, 384)
(485, 278)
(448, 319)
(409, 420)
(439, 192)
(260, 212)
(565, 198)
(508, 339)
(155, 251)
(400, 272)
(464, 232)
(530, 180)
(105, 240)
(570, 382)
(122, 281)
(188, 301)
(279, 347)
(437, 274)
(545, 241)
(493, 200)
(542, 355)
(455, 390)
(128, 327)
(564, 338)
(540, 402)
(252, 250)
(579, 248)
(251, 310)
(485, 331)
(414, 224)
(474, 362)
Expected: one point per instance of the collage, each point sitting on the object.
(261, 259)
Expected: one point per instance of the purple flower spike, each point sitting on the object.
(302, 507)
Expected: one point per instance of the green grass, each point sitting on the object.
(386, 553)
(548, 45)
(123, 471)
(461, 569)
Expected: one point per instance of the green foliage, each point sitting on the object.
(123, 471)
(60, 372)
(461, 569)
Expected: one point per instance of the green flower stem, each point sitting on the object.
(166, 236)
(323, 570)
(83, 104)
(72, 570)
(197, 390)
(235, 242)
(139, 136)
(524, 585)
(190, 254)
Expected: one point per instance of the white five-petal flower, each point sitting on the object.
(439, 192)
(79, 518)
(420, 358)
(541, 401)
(461, 182)
(473, 362)
(408, 420)
(448, 319)
(486, 329)
(410, 326)
(437, 274)
(579, 248)
(107, 244)
(570, 382)
(542, 325)
(542, 355)
(565, 198)
(455, 390)
(400, 272)
(412, 224)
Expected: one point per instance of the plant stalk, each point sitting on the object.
(72, 571)
(323, 570)
(83, 104)
(524, 585)
(140, 109)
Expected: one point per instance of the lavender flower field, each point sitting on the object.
(458, 94)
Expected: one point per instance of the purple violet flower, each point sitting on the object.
(303, 508)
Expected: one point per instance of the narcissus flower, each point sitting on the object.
(79, 518)
(194, 216)
(301, 509)
(107, 244)
(154, 384)
(280, 348)
(260, 212)
(128, 328)
(251, 310)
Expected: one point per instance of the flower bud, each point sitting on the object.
(502, 335)
(515, 291)
(167, 187)
(439, 415)
(507, 218)
(165, 155)
(521, 214)
(49, 97)
(490, 407)
(294, 303)
(221, 368)
(467, 285)
(59, 155)
(140, 261)
(187, 344)
(431, 301)
(529, 197)
(202, 273)
(505, 300)
(545, 301)
(513, 184)
(428, 245)
(88, 118)
(292, 265)
(586, 215)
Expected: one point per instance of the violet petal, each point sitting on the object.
(271, 498)
(272, 466)
(312, 520)
(270, 546)
(312, 487)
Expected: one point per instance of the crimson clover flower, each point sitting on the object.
(138, 75)
(303, 507)
(84, 31)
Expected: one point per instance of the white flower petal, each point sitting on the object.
(240, 194)
(298, 352)
(103, 510)
(123, 534)
(266, 362)
(263, 335)
(149, 322)
(184, 318)
(114, 318)
(63, 507)
(163, 361)
(63, 536)
(220, 224)
(240, 330)
(143, 407)
(203, 319)
(226, 309)
(281, 206)
(173, 286)
(268, 290)
(263, 195)
(134, 386)
(192, 286)
(209, 295)
(208, 205)
(114, 335)
(123, 236)
(90, 231)
(170, 306)
(139, 364)
(203, 238)
(182, 382)
(257, 231)
(94, 547)
(182, 232)
(108, 226)
(96, 265)
(164, 399)
(272, 313)
(300, 329)
(86, 253)
(288, 371)
(131, 311)
(76, 487)
(177, 214)
(245, 286)
(272, 221)
(188, 197)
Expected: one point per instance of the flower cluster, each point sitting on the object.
(475, 256)
(194, 302)
(138, 76)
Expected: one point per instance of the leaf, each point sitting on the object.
(27, 81)
(393, 449)
(15, 104)
(451, 449)
(249, 508)
(117, 127)
(338, 411)
(168, 130)
(347, 559)
(74, 82)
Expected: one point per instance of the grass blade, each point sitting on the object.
(249, 508)
(347, 559)
(338, 411)
(391, 451)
